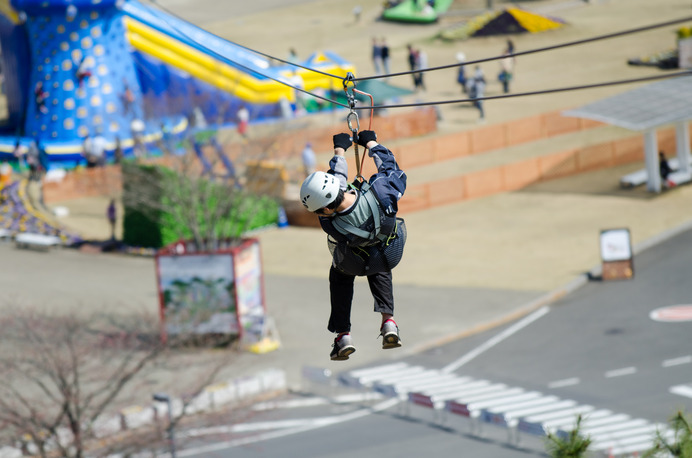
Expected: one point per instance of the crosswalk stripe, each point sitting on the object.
(681, 390)
(594, 422)
(589, 429)
(391, 375)
(633, 448)
(517, 406)
(627, 437)
(377, 369)
(475, 404)
(570, 421)
(483, 390)
(562, 414)
(539, 409)
(470, 387)
(497, 403)
(494, 396)
(397, 388)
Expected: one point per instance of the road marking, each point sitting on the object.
(672, 313)
(310, 425)
(677, 361)
(564, 382)
(682, 390)
(620, 372)
(312, 402)
(496, 340)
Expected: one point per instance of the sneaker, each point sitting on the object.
(343, 347)
(390, 335)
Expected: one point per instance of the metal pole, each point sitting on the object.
(160, 397)
(171, 428)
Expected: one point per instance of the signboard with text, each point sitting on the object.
(616, 254)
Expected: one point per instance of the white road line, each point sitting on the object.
(504, 394)
(570, 421)
(378, 369)
(540, 406)
(505, 402)
(564, 382)
(597, 431)
(313, 424)
(496, 340)
(620, 372)
(609, 420)
(682, 390)
(312, 402)
(677, 361)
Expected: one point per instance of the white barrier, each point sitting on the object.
(40, 241)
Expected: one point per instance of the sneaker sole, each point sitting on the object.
(391, 341)
(343, 354)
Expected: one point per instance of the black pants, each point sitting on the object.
(341, 293)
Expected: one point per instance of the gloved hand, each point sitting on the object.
(365, 136)
(342, 141)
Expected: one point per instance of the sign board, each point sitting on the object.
(685, 53)
(219, 292)
(616, 254)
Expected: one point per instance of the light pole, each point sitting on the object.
(162, 397)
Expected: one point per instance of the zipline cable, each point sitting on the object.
(536, 50)
(541, 92)
(259, 53)
(442, 67)
(233, 63)
(445, 102)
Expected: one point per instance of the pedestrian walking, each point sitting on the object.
(413, 63)
(309, 160)
(243, 116)
(461, 73)
(376, 56)
(111, 214)
(506, 72)
(422, 63)
(385, 56)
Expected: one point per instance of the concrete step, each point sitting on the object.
(515, 167)
(515, 154)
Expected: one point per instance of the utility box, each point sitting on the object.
(616, 254)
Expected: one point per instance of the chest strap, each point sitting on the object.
(375, 209)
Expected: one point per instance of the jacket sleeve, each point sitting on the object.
(339, 167)
(389, 183)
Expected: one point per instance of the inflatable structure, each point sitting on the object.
(131, 74)
(503, 22)
(418, 11)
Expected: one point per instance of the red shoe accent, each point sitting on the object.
(387, 321)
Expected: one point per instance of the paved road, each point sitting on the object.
(596, 351)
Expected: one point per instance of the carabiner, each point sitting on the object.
(353, 114)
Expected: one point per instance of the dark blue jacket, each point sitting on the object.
(388, 185)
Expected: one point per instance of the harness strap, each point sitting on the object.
(375, 208)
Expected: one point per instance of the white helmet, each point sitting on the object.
(319, 190)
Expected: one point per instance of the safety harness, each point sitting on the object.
(374, 235)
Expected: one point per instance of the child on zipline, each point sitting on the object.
(365, 236)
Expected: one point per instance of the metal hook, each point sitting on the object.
(353, 114)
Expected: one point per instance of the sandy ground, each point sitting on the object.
(329, 25)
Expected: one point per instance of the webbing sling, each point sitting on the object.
(375, 208)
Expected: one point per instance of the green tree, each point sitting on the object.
(571, 446)
(185, 201)
(61, 372)
(680, 446)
